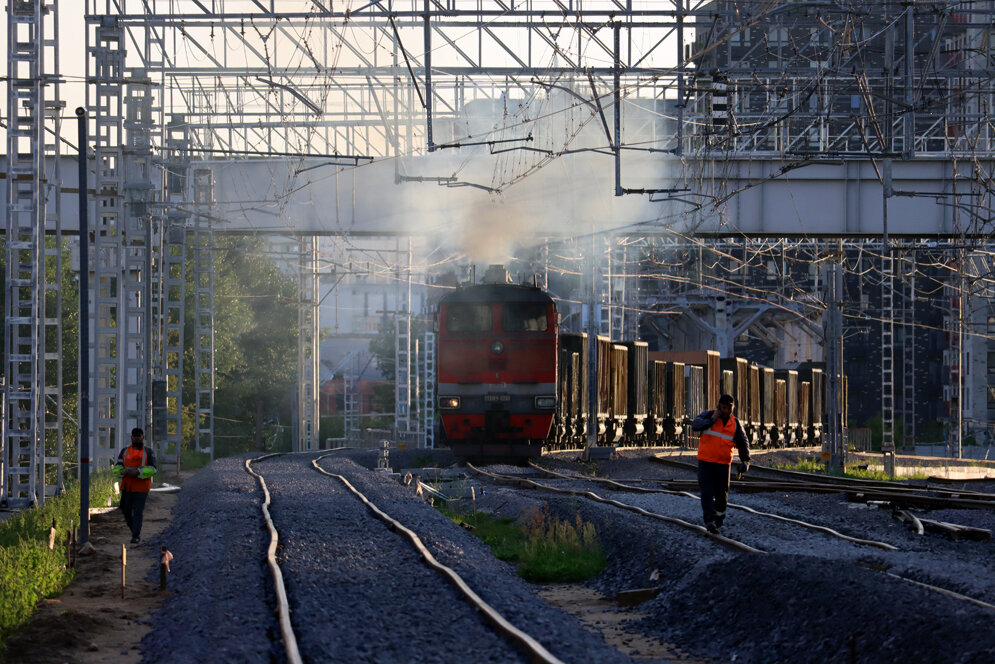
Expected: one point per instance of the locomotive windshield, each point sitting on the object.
(468, 318)
(524, 317)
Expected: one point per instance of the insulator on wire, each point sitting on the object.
(719, 101)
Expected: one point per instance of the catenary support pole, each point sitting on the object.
(84, 337)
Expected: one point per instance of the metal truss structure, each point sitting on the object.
(202, 243)
(307, 345)
(172, 84)
(31, 451)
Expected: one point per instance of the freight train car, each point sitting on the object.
(510, 384)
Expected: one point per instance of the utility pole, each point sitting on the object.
(887, 272)
(834, 441)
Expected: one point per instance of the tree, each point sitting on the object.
(255, 345)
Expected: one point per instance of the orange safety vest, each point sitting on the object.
(716, 443)
(135, 459)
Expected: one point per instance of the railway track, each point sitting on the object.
(804, 524)
(900, 494)
(754, 547)
(525, 482)
(357, 593)
(516, 637)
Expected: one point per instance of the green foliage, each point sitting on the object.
(932, 432)
(29, 571)
(383, 402)
(423, 461)
(331, 426)
(545, 548)
(558, 550)
(255, 347)
(820, 468)
(876, 425)
(382, 349)
(502, 534)
(194, 460)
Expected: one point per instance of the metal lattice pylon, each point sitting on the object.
(307, 345)
(105, 65)
(52, 303)
(887, 351)
(135, 398)
(168, 400)
(428, 394)
(350, 429)
(402, 354)
(31, 465)
(908, 348)
(203, 296)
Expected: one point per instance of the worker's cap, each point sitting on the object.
(727, 399)
(137, 431)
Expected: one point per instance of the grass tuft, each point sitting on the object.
(812, 466)
(29, 570)
(545, 548)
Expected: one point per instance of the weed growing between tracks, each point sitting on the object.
(29, 570)
(545, 548)
(855, 472)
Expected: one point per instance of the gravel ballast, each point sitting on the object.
(359, 592)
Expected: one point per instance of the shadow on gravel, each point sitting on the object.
(765, 609)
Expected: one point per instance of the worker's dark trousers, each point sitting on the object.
(133, 505)
(713, 480)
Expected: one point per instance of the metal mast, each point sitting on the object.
(307, 344)
(402, 352)
(172, 291)
(105, 66)
(428, 389)
(29, 470)
(135, 397)
(202, 245)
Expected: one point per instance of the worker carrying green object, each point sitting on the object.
(135, 467)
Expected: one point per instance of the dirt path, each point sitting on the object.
(90, 623)
(601, 615)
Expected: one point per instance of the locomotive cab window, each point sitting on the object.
(468, 318)
(524, 317)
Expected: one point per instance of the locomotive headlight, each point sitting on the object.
(545, 403)
(448, 403)
(497, 346)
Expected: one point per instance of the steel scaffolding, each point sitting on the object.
(31, 460)
(761, 82)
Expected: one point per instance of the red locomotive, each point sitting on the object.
(509, 383)
(497, 358)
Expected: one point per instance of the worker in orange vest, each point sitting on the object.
(720, 431)
(135, 467)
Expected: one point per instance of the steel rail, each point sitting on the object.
(880, 490)
(687, 494)
(944, 591)
(283, 605)
(535, 649)
(518, 481)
